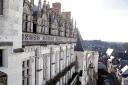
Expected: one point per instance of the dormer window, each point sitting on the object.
(1, 58)
(26, 23)
(1, 7)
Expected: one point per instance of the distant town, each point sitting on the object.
(112, 62)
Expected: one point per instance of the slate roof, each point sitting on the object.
(79, 43)
(109, 51)
(123, 63)
(124, 69)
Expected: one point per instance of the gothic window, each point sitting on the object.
(34, 27)
(43, 28)
(45, 25)
(26, 17)
(1, 7)
(26, 23)
(39, 24)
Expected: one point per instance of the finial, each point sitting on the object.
(39, 5)
(32, 3)
(63, 10)
(48, 5)
(75, 24)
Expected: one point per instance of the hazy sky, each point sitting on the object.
(99, 19)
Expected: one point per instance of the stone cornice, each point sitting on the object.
(6, 43)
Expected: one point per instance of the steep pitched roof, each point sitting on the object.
(124, 71)
(109, 51)
(79, 43)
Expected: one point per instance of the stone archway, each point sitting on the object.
(3, 78)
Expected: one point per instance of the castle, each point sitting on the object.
(36, 43)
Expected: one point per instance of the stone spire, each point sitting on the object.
(48, 5)
(32, 3)
(39, 5)
(44, 6)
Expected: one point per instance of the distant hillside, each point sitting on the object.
(102, 45)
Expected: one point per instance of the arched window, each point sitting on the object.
(26, 23)
(1, 7)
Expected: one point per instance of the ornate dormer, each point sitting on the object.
(61, 26)
(53, 23)
(42, 20)
(39, 17)
(67, 29)
(45, 24)
(71, 28)
(54, 27)
(45, 18)
(48, 10)
(27, 16)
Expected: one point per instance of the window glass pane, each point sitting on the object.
(28, 63)
(23, 82)
(1, 58)
(23, 74)
(28, 72)
(28, 81)
(23, 64)
(1, 7)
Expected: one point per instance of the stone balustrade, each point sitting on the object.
(32, 38)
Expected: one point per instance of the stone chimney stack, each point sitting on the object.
(57, 7)
(67, 15)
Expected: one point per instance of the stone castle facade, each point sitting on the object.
(36, 43)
